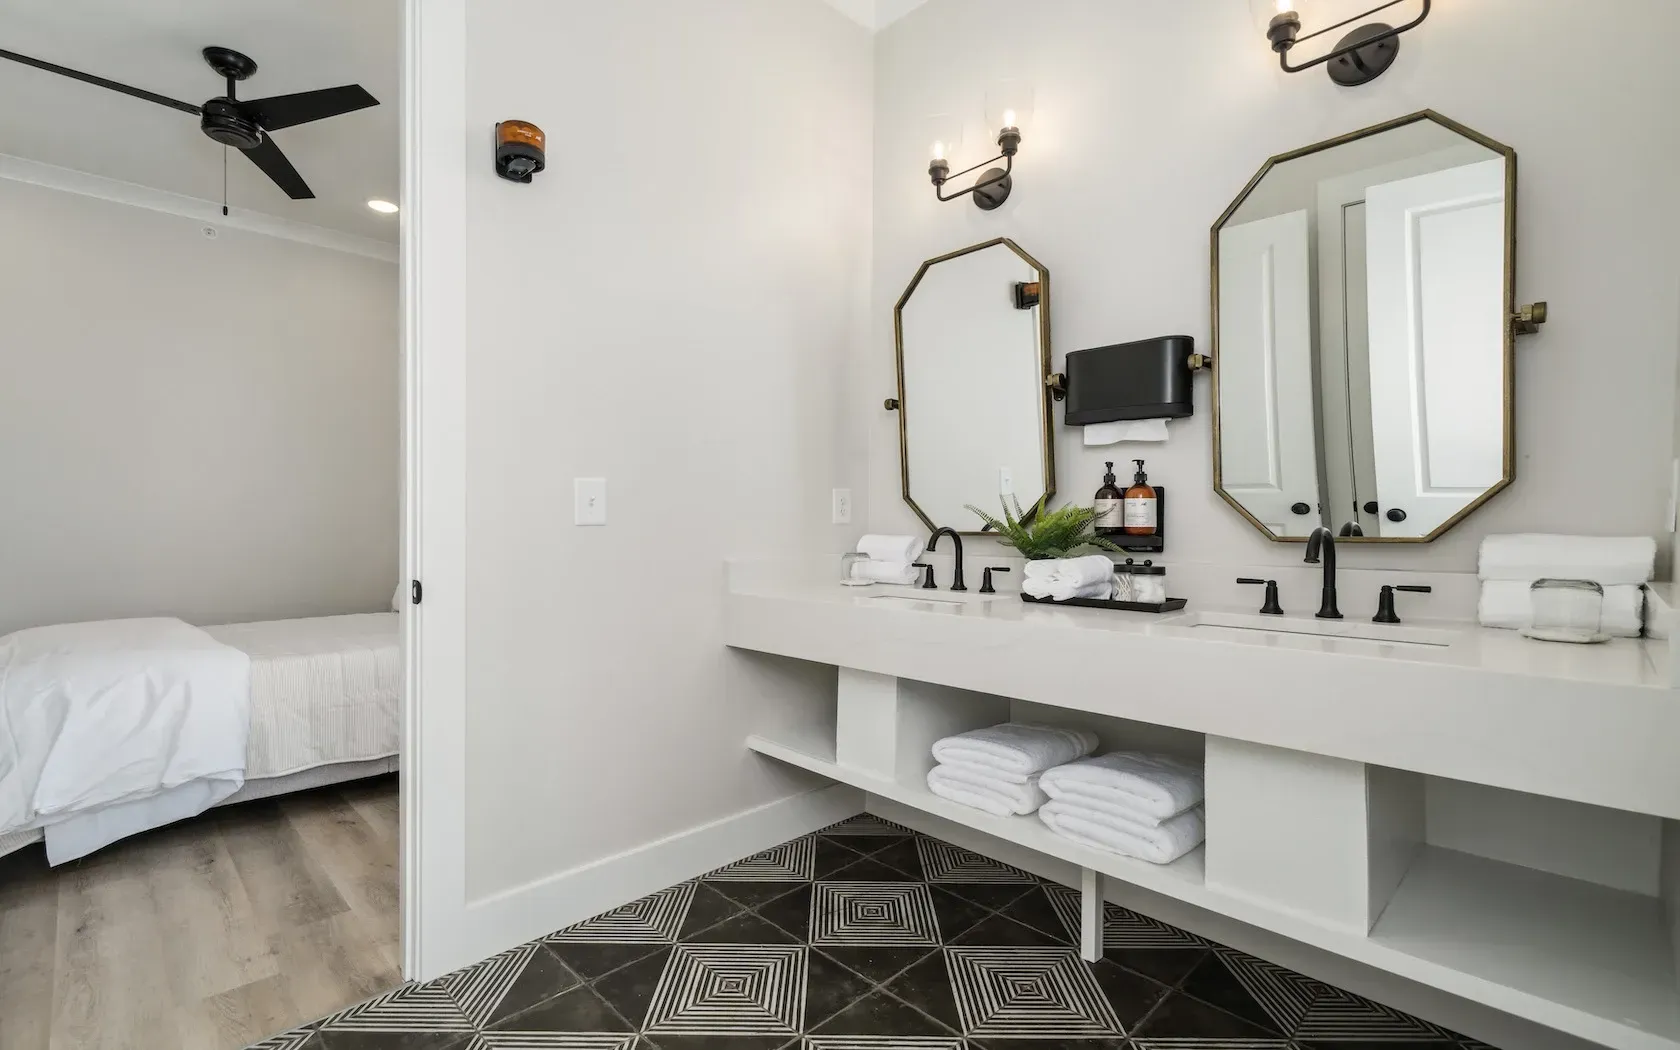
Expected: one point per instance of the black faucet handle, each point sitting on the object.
(927, 577)
(1385, 601)
(1271, 606)
(986, 579)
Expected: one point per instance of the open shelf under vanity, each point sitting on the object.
(1549, 910)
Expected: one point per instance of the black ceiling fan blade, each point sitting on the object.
(285, 111)
(89, 78)
(274, 164)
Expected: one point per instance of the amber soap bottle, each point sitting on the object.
(1142, 509)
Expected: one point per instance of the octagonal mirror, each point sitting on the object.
(1363, 325)
(973, 349)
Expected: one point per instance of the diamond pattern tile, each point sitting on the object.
(868, 936)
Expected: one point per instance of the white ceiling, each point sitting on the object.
(154, 44)
(876, 14)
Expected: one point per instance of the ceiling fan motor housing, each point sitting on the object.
(223, 122)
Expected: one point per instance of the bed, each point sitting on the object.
(325, 698)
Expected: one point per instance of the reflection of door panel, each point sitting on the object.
(1436, 262)
(1268, 462)
(1362, 455)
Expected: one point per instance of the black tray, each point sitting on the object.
(1170, 605)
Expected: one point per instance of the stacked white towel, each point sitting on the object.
(997, 769)
(891, 558)
(1509, 565)
(1135, 804)
(1064, 578)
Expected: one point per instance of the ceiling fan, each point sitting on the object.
(244, 125)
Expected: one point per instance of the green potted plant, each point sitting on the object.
(1049, 533)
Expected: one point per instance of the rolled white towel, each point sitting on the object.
(1080, 572)
(892, 548)
(1061, 590)
(884, 571)
(1606, 560)
(1509, 604)
(972, 786)
(1161, 844)
(1156, 787)
(1016, 747)
(1041, 569)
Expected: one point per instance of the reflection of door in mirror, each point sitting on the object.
(973, 402)
(1268, 458)
(1435, 262)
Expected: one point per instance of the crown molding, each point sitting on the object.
(50, 176)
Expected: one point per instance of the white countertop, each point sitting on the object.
(1589, 722)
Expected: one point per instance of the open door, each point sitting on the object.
(1269, 461)
(1435, 253)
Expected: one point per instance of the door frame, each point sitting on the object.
(434, 290)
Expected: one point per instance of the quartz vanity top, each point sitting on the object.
(1586, 722)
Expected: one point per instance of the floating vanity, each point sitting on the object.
(1475, 811)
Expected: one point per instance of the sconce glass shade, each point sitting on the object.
(942, 135)
(1009, 104)
(1315, 14)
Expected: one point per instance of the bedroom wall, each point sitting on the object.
(203, 428)
(1150, 118)
(673, 305)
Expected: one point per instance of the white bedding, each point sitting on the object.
(324, 691)
(112, 727)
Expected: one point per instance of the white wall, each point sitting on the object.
(1150, 118)
(193, 427)
(673, 305)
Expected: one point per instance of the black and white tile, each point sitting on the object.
(867, 936)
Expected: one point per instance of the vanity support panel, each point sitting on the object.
(1323, 838)
(864, 719)
(1090, 915)
(886, 726)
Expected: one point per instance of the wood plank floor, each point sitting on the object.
(208, 935)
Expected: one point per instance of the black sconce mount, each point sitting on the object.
(992, 188)
(1360, 57)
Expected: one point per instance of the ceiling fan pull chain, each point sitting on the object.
(224, 181)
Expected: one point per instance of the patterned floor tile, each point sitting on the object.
(867, 936)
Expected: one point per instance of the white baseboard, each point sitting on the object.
(495, 924)
(1494, 1027)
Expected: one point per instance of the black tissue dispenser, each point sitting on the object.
(1148, 379)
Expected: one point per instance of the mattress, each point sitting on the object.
(323, 690)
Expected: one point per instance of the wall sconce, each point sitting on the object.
(1359, 57)
(1008, 107)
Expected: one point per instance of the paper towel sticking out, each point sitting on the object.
(1125, 430)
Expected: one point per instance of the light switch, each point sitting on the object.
(1006, 481)
(589, 501)
(842, 506)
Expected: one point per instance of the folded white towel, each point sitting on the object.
(1606, 560)
(1041, 569)
(972, 786)
(1079, 572)
(892, 548)
(1016, 747)
(885, 571)
(1061, 592)
(1509, 604)
(1065, 578)
(1160, 844)
(1155, 787)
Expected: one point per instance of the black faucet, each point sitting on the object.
(1323, 539)
(933, 541)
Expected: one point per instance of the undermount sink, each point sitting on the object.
(920, 597)
(1245, 626)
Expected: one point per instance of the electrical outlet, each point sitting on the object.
(589, 501)
(842, 506)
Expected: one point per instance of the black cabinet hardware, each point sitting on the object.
(1301, 508)
(1396, 514)
(1370, 506)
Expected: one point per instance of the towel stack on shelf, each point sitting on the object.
(891, 558)
(1138, 805)
(1063, 578)
(1509, 565)
(997, 769)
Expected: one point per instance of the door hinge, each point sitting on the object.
(414, 590)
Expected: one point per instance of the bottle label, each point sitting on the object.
(1110, 514)
(1140, 514)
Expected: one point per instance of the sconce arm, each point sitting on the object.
(1283, 56)
(1008, 167)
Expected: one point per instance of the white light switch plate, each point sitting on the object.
(589, 501)
(1006, 481)
(842, 506)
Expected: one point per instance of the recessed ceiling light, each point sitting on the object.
(382, 207)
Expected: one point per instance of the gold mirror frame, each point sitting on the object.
(900, 404)
(1513, 320)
